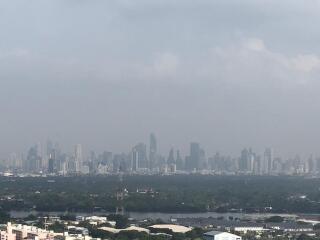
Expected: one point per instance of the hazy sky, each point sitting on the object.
(229, 74)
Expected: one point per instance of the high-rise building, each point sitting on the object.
(311, 165)
(152, 151)
(171, 159)
(267, 166)
(179, 161)
(51, 165)
(78, 157)
(171, 162)
(193, 161)
(135, 160)
(33, 163)
(50, 147)
(139, 156)
(246, 161)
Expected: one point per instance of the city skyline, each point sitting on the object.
(184, 148)
(144, 158)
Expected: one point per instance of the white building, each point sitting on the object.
(67, 236)
(216, 235)
(21, 232)
(248, 228)
(8, 234)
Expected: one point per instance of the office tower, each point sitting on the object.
(215, 162)
(311, 165)
(50, 147)
(252, 157)
(51, 165)
(139, 157)
(267, 165)
(193, 161)
(256, 169)
(243, 161)
(171, 162)
(152, 151)
(179, 162)
(203, 162)
(14, 161)
(41, 163)
(277, 165)
(50, 159)
(246, 160)
(33, 163)
(135, 160)
(78, 157)
(317, 164)
(120, 163)
(171, 159)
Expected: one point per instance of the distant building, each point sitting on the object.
(139, 157)
(179, 162)
(8, 234)
(152, 151)
(173, 227)
(21, 232)
(216, 235)
(245, 160)
(267, 166)
(33, 163)
(196, 160)
(171, 159)
(78, 157)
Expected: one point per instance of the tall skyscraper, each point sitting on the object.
(50, 147)
(78, 157)
(267, 165)
(171, 159)
(193, 161)
(52, 163)
(246, 160)
(33, 163)
(179, 161)
(139, 156)
(135, 160)
(152, 151)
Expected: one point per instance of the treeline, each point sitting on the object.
(185, 193)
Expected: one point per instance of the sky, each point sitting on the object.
(226, 73)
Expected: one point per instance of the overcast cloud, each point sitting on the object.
(229, 74)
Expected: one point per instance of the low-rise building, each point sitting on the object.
(8, 233)
(217, 235)
(290, 227)
(78, 230)
(174, 228)
(22, 232)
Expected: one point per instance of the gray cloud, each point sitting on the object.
(229, 74)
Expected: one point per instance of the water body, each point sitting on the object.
(157, 215)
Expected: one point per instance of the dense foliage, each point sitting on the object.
(192, 193)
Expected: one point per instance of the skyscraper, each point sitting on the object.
(152, 151)
(78, 157)
(267, 165)
(139, 156)
(179, 161)
(193, 161)
(171, 159)
(135, 160)
(33, 160)
(246, 160)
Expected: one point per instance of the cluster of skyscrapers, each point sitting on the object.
(146, 160)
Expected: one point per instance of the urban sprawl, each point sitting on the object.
(146, 160)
